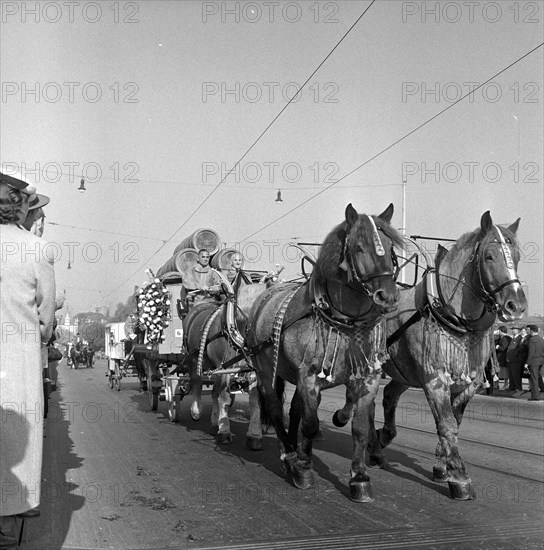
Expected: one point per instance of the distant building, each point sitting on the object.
(67, 326)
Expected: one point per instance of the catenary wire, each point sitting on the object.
(385, 149)
(250, 147)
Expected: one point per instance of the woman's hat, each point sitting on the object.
(16, 183)
(37, 201)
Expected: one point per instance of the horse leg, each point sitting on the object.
(272, 403)
(221, 403)
(254, 437)
(364, 393)
(440, 402)
(295, 415)
(341, 417)
(391, 395)
(459, 402)
(379, 439)
(307, 401)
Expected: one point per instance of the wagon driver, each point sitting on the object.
(202, 277)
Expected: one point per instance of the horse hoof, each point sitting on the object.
(360, 491)
(288, 464)
(439, 474)
(303, 475)
(223, 439)
(461, 490)
(378, 461)
(337, 422)
(254, 443)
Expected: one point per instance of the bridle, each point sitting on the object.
(348, 264)
(489, 294)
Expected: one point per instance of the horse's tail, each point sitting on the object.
(267, 415)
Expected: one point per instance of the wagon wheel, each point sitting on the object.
(152, 393)
(118, 375)
(111, 374)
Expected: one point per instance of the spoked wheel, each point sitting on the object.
(111, 372)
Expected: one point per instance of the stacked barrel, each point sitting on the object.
(186, 253)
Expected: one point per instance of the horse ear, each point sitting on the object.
(486, 223)
(514, 227)
(387, 214)
(351, 215)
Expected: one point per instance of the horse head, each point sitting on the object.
(498, 257)
(369, 258)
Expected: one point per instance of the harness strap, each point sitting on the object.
(403, 328)
(203, 339)
(277, 329)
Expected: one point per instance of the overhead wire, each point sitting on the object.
(385, 149)
(205, 200)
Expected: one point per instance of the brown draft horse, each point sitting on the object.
(445, 349)
(324, 333)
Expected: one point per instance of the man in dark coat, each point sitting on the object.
(515, 360)
(535, 361)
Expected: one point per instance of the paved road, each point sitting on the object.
(117, 475)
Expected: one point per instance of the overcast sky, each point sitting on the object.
(153, 101)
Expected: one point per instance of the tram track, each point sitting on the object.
(474, 441)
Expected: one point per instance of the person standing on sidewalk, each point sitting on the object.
(535, 361)
(502, 345)
(515, 360)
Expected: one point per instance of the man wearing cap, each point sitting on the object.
(535, 361)
(27, 306)
(34, 221)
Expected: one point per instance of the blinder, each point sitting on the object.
(508, 261)
(348, 264)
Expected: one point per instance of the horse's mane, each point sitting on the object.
(467, 242)
(330, 255)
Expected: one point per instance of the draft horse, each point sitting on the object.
(440, 339)
(326, 332)
(77, 354)
(210, 346)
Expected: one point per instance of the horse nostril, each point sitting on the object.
(381, 297)
(511, 306)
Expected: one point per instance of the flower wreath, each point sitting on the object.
(154, 309)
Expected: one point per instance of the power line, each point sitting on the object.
(202, 203)
(109, 232)
(393, 144)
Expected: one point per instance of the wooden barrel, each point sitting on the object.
(201, 238)
(182, 261)
(221, 260)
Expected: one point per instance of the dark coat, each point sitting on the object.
(536, 350)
